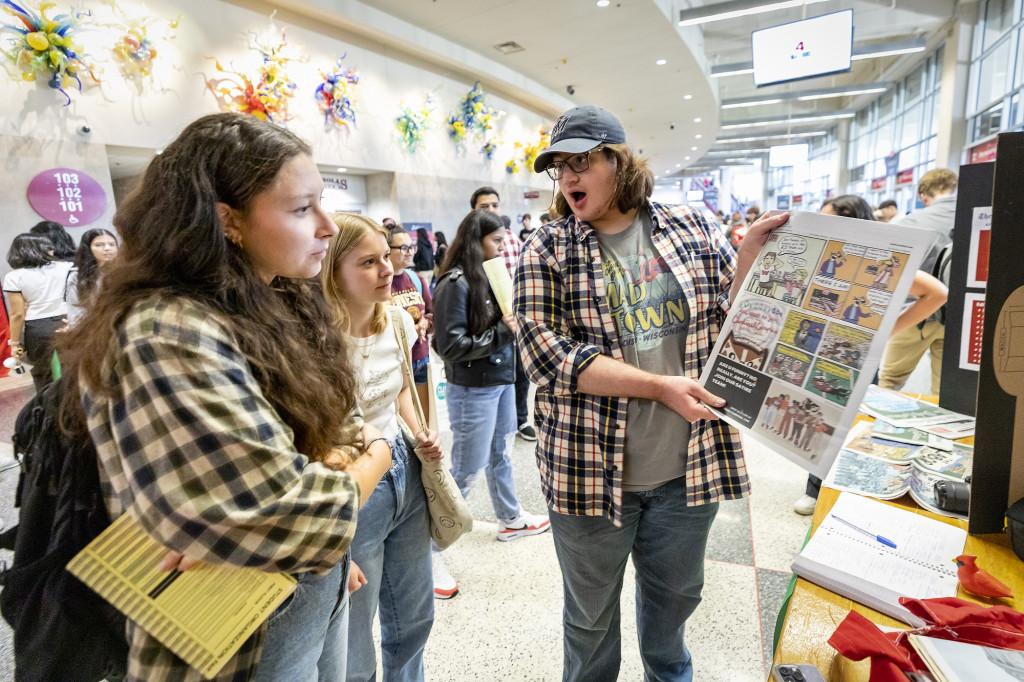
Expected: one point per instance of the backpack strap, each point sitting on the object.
(416, 281)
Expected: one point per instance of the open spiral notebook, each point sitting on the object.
(857, 566)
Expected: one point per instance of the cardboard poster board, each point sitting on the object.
(998, 477)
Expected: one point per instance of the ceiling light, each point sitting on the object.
(661, 62)
(686, 158)
(697, 136)
(732, 69)
(790, 120)
(735, 8)
(843, 93)
(808, 95)
(343, 170)
(887, 53)
(603, 3)
(733, 152)
(687, 96)
(751, 103)
(777, 136)
(679, 165)
(888, 49)
(697, 120)
(693, 149)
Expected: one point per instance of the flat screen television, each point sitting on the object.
(803, 49)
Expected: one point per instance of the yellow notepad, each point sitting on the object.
(203, 615)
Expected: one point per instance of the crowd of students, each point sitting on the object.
(239, 364)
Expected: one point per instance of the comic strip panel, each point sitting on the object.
(790, 365)
(840, 260)
(865, 306)
(784, 270)
(802, 425)
(755, 326)
(846, 345)
(831, 381)
(881, 269)
(827, 300)
(802, 331)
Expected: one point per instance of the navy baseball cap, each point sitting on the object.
(579, 130)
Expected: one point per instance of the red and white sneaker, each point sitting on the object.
(522, 525)
(445, 586)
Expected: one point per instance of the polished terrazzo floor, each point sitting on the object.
(505, 625)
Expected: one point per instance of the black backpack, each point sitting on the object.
(62, 629)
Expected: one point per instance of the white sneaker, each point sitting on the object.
(805, 505)
(522, 525)
(445, 586)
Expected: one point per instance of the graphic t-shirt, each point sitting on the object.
(651, 317)
(406, 296)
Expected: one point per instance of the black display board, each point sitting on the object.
(998, 476)
(960, 385)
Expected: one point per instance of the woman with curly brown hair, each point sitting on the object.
(215, 385)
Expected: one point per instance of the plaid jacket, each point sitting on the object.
(194, 450)
(565, 323)
(512, 248)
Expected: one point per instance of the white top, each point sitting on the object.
(380, 374)
(42, 287)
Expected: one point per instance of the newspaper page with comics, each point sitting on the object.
(804, 337)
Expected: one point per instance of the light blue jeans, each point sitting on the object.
(392, 547)
(307, 634)
(667, 541)
(483, 421)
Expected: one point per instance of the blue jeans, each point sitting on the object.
(307, 634)
(483, 421)
(667, 540)
(392, 547)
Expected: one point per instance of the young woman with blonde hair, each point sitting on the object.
(391, 547)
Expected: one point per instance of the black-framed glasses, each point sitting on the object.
(406, 250)
(577, 163)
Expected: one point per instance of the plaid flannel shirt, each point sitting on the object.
(512, 249)
(193, 449)
(564, 323)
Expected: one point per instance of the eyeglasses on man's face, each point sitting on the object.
(577, 163)
(406, 250)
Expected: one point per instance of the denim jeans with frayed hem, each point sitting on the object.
(392, 548)
(667, 540)
(483, 421)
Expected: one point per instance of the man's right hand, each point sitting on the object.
(688, 398)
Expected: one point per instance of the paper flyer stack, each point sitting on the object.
(887, 459)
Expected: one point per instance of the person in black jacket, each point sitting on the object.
(476, 343)
(423, 261)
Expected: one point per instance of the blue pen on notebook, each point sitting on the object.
(884, 540)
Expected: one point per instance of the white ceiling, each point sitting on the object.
(608, 55)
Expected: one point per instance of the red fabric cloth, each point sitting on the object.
(950, 618)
